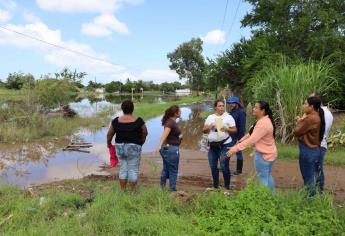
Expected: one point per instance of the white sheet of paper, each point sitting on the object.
(219, 125)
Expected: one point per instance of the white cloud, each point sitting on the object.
(104, 6)
(30, 17)
(158, 75)
(106, 72)
(104, 25)
(214, 37)
(4, 16)
(8, 4)
(54, 55)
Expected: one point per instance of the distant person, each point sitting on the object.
(169, 147)
(261, 135)
(219, 126)
(320, 178)
(310, 130)
(130, 134)
(239, 115)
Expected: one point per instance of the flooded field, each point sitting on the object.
(40, 162)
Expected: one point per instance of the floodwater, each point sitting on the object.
(41, 162)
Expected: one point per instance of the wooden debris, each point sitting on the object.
(76, 147)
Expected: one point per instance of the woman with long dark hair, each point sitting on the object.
(169, 147)
(310, 129)
(261, 135)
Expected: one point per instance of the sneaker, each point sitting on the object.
(237, 173)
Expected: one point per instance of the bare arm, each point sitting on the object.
(145, 133)
(165, 134)
(207, 128)
(110, 135)
(230, 130)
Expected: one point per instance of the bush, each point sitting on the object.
(286, 87)
(256, 211)
(52, 92)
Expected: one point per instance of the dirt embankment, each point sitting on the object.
(194, 173)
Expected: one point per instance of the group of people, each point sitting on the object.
(226, 137)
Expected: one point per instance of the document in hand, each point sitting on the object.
(219, 126)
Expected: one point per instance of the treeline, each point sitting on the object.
(285, 34)
(19, 80)
(137, 86)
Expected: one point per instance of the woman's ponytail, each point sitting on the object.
(315, 102)
(170, 112)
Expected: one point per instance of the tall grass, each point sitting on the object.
(253, 211)
(286, 86)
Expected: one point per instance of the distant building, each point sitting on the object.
(99, 90)
(183, 92)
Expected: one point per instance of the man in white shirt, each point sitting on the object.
(320, 180)
(219, 126)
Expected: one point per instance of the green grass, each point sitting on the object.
(11, 95)
(148, 110)
(253, 211)
(333, 156)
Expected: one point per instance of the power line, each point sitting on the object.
(225, 13)
(233, 20)
(63, 48)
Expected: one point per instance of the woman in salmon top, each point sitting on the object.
(261, 135)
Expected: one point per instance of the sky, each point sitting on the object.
(112, 40)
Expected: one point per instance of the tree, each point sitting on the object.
(93, 85)
(72, 77)
(113, 86)
(188, 62)
(307, 30)
(19, 80)
(53, 92)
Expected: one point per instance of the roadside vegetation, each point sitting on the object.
(89, 207)
(22, 123)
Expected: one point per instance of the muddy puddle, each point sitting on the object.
(41, 162)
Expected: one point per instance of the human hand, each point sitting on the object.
(230, 152)
(224, 129)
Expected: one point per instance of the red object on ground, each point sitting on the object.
(113, 158)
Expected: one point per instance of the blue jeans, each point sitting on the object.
(263, 170)
(320, 178)
(213, 156)
(171, 156)
(308, 163)
(129, 155)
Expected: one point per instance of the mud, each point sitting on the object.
(195, 175)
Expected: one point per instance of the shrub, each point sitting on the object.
(286, 87)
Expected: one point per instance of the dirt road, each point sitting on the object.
(194, 173)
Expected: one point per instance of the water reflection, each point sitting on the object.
(45, 161)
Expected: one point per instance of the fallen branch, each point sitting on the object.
(75, 150)
(79, 145)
